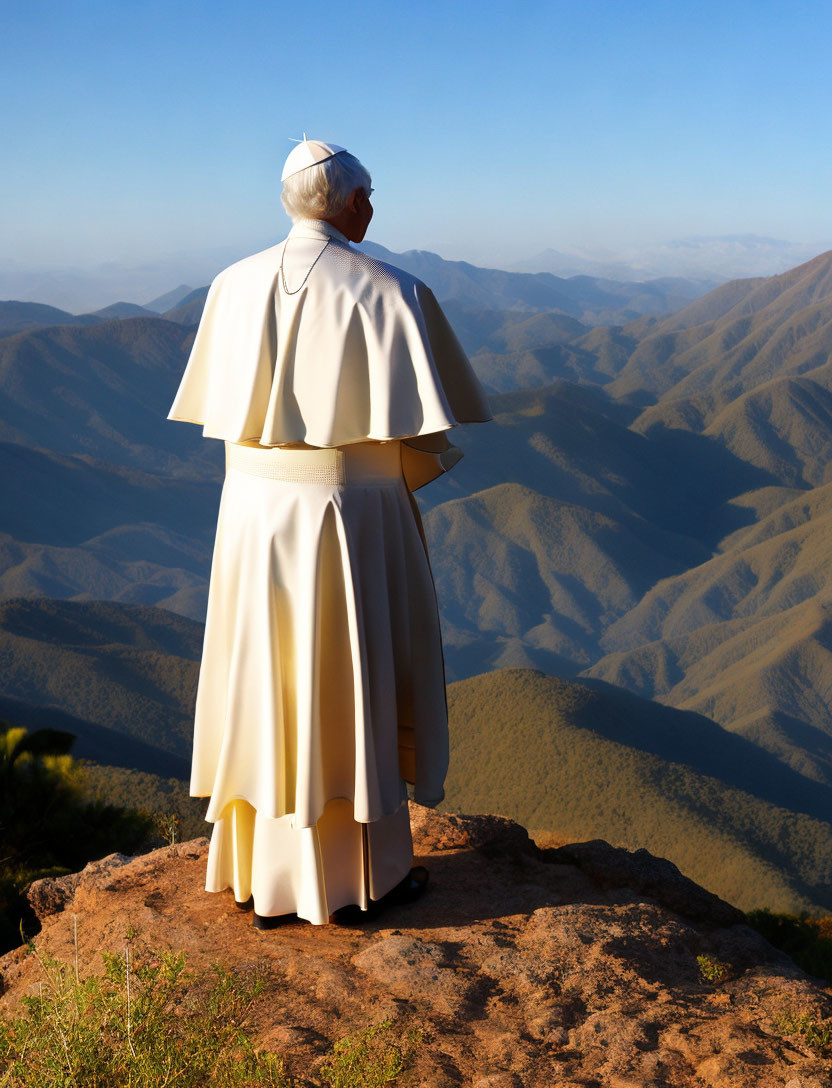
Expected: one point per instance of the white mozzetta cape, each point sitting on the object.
(356, 350)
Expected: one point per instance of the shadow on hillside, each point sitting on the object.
(683, 736)
(814, 742)
(482, 654)
(676, 480)
(65, 500)
(96, 742)
(707, 475)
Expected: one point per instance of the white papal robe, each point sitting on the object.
(332, 379)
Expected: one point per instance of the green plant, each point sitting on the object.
(370, 1058)
(712, 970)
(144, 1021)
(167, 824)
(816, 1031)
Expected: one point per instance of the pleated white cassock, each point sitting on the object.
(321, 688)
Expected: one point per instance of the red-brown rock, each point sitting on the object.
(523, 968)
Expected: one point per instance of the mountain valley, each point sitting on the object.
(645, 519)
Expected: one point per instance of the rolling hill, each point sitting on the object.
(745, 637)
(125, 668)
(524, 578)
(576, 759)
(736, 337)
(24, 316)
(103, 391)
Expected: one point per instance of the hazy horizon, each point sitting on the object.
(80, 289)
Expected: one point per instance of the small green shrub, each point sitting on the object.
(713, 970)
(370, 1058)
(167, 825)
(145, 1021)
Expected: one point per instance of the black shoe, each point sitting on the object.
(272, 921)
(247, 905)
(407, 890)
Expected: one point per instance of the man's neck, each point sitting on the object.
(349, 223)
(320, 227)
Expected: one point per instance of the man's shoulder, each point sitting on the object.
(255, 263)
(382, 274)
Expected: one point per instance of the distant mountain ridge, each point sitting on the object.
(588, 298)
(188, 310)
(169, 299)
(710, 259)
(102, 389)
(23, 316)
(738, 335)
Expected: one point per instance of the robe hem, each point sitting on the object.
(447, 426)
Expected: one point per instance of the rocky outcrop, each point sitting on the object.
(659, 879)
(524, 967)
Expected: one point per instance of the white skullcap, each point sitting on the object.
(308, 153)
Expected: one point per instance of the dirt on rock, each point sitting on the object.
(523, 967)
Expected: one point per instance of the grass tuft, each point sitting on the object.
(816, 1032)
(372, 1057)
(149, 1020)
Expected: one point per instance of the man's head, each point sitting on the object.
(337, 190)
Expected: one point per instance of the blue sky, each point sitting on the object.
(148, 132)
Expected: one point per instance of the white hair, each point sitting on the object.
(321, 191)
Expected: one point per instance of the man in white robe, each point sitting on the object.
(312, 345)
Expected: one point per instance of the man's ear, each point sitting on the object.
(353, 200)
